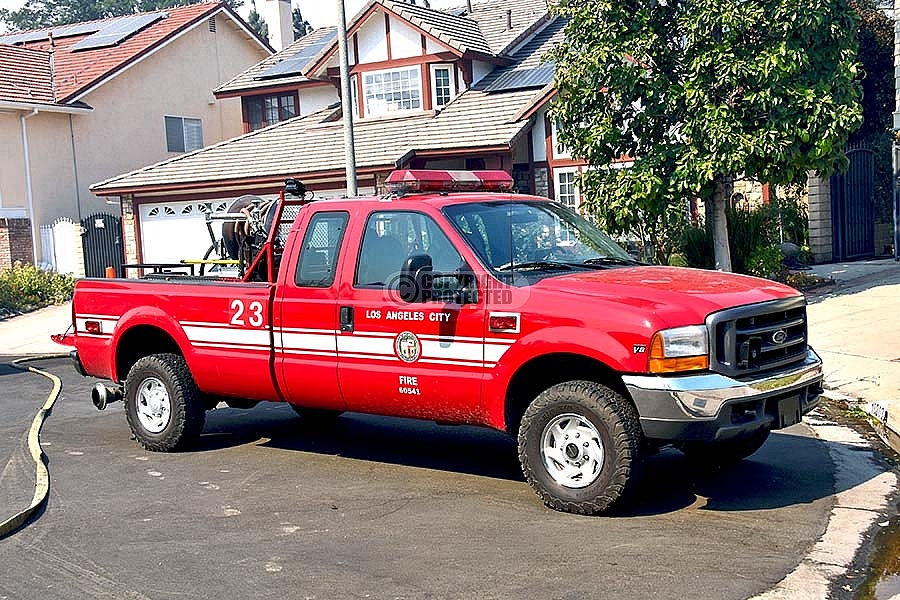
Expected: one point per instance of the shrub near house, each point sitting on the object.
(26, 287)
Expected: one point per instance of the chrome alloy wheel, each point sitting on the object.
(572, 450)
(154, 408)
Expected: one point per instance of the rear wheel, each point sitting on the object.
(725, 452)
(162, 404)
(579, 446)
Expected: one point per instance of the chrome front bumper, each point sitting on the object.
(712, 406)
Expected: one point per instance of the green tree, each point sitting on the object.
(697, 92)
(301, 25)
(256, 22)
(36, 14)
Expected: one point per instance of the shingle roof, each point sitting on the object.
(458, 32)
(530, 69)
(312, 144)
(74, 72)
(249, 79)
(492, 20)
(25, 75)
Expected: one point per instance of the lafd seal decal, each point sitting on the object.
(407, 347)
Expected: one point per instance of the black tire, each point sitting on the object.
(725, 452)
(317, 415)
(616, 431)
(166, 374)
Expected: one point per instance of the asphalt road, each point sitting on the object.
(271, 506)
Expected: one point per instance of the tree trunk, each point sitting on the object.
(721, 195)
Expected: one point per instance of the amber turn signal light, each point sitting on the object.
(659, 363)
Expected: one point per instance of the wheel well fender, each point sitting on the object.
(143, 332)
(543, 372)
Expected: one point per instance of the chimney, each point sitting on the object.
(277, 14)
(509, 18)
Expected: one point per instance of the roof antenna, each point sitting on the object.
(469, 6)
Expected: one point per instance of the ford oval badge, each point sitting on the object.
(780, 336)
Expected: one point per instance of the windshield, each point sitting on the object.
(533, 236)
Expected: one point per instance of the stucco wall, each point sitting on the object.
(12, 178)
(52, 171)
(126, 131)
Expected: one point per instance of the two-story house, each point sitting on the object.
(455, 89)
(83, 102)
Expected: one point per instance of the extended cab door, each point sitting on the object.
(306, 319)
(424, 359)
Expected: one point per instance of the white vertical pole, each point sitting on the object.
(35, 232)
(346, 102)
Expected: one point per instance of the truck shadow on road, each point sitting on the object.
(791, 468)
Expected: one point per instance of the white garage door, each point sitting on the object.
(173, 231)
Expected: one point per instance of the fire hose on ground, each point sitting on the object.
(42, 476)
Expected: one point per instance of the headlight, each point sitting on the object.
(679, 349)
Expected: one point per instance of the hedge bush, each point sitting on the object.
(26, 287)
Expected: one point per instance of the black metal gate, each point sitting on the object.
(853, 206)
(102, 244)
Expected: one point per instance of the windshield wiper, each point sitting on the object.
(536, 265)
(611, 260)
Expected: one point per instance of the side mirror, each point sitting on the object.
(416, 279)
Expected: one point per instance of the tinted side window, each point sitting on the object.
(321, 245)
(392, 237)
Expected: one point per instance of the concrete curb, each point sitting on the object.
(855, 511)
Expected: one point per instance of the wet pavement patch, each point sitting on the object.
(883, 579)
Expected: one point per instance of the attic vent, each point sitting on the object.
(212, 24)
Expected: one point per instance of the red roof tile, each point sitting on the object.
(76, 71)
(25, 75)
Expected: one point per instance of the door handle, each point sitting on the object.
(347, 318)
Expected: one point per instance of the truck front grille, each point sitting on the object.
(758, 337)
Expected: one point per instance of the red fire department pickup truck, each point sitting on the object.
(453, 299)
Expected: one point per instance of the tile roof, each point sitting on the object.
(248, 80)
(74, 72)
(25, 75)
(311, 144)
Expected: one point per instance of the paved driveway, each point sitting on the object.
(272, 507)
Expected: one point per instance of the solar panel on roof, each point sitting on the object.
(115, 31)
(517, 79)
(21, 38)
(79, 29)
(294, 65)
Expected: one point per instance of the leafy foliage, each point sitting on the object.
(36, 14)
(697, 92)
(754, 236)
(256, 22)
(26, 287)
(301, 25)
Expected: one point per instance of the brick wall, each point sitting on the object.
(820, 239)
(129, 230)
(15, 242)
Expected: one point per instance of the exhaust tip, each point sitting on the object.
(101, 395)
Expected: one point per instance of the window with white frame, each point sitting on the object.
(183, 134)
(566, 190)
(559, 151)
(442, 86)
(392, 90)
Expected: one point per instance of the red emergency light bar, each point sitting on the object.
(432, 180)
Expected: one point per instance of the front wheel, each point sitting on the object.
(165, 410)
(579, 446)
